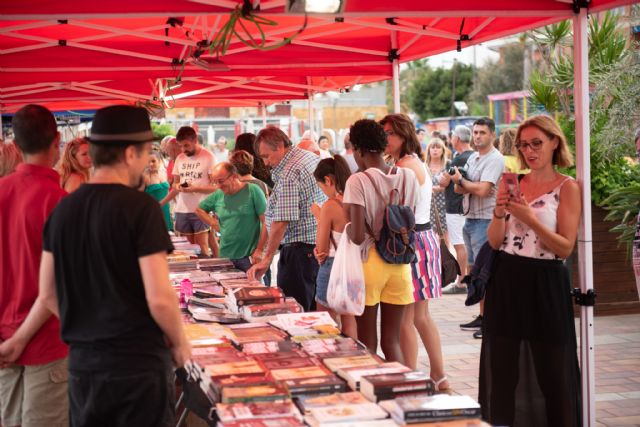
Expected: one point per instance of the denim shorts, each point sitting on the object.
(322, 281)
(475, 235)
(189, 223)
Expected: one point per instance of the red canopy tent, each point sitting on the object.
(70, 55)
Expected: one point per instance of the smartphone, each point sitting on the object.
(512, 183)
(184, 184)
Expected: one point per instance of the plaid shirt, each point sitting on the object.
(294, 191)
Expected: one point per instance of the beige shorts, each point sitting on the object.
(35, 395)
(455, 222)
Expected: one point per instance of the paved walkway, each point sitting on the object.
(617, 359)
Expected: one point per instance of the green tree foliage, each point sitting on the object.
(160, 130)
(430, 92)
(504, 75)
(614, 77)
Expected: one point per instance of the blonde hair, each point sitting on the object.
(438, 142)
(507, 141)
(10, 157)
(562, 157)
(69, 164)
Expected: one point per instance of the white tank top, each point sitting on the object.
(336, 238)
(423, 206)
(520, 240)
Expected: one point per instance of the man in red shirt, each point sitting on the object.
(33, 364)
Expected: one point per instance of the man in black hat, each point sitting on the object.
(104, 272)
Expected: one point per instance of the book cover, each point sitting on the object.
(207, 334)
(241, 367)
(352, 375)
(254, 393)
(436, 407)
(296, 362)
(354, 412)
(389, 385)
(257, 334)
(335, 363)
(348, 398)
(293, 353)
(257, 295)
(306, 372)
(369, 423)
(315, 386)
(270, 347)
(238, 411)
(265, 422)
(305, 320)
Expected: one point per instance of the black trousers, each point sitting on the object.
(297, 271)
(122, 398)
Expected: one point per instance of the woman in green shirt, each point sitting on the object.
(239, 207)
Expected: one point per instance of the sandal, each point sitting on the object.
(438, 390)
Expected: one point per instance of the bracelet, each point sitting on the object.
(495, 215)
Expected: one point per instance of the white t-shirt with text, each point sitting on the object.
(194, 170)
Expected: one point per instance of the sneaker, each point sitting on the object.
(452, 289)
(473, 325)
(478, 334)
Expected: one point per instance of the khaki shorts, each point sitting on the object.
(35, 395)
(384, 282)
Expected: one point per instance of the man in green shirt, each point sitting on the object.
(239, 208)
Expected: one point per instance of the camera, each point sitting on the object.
(184, 184)
(451, 170)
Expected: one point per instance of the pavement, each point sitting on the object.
(617, 359)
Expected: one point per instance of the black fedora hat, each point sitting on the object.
(121, 125)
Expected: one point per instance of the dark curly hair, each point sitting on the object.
(368, 135)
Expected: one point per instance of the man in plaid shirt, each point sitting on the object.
(292, 227)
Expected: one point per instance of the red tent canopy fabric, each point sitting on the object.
(69, 54)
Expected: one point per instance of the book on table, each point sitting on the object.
(353, 374)
(314, 386)
(261, 392)
(348, 398)
(389, 386)
(349, 412)
(264, 422)
(335, 363)
(251, 410)
(240, 367)
(304, 372)
(416, 409)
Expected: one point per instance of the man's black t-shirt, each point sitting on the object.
(453, 200)
(96, 235)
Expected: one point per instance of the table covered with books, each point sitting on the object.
(259, 361)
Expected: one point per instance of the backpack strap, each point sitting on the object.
(366, 224)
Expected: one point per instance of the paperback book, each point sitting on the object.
(389, 386)
(438, 407)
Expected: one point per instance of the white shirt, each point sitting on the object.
(194, 170)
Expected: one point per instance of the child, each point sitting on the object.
(331, 176)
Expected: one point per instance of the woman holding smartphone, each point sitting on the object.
(529, 372)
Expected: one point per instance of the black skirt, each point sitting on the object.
(529, 373)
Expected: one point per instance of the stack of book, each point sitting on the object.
(339, 408)
(391, 385)
(214, 264)
(425, 409)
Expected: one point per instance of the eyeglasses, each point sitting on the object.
(220, 181)
(535, 145)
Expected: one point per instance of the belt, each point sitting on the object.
(423, 227)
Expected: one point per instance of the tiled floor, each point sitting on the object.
(617, 354)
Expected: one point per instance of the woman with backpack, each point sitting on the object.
(331, 175)
(367, 198)
(403, 146)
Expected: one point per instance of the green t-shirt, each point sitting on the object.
(239, 217)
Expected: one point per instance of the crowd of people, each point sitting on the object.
(101, 254)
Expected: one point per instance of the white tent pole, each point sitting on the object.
(264, 115)
(395, 68)
(310, 108)
(585, 244)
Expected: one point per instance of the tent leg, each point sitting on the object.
(585, 244)
(264, 115)
(395, 68)
(311, 123)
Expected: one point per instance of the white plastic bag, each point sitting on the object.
(345, 293)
